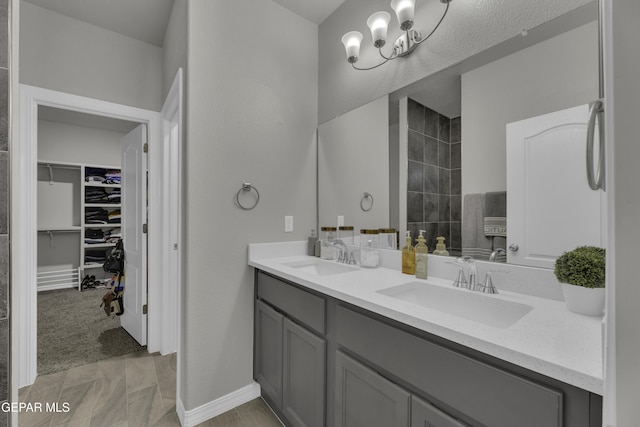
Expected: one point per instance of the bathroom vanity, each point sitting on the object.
(337, 345)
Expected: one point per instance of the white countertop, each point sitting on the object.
(549, 339)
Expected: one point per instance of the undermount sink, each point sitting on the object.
(481, 308)
(320, 268)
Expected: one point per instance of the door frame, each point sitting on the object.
(24, 217)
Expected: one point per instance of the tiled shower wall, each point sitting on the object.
(434, 202)
(4, 207)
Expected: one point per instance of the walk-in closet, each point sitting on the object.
(79, 208)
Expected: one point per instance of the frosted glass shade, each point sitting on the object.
(351, 42)
(378, 24)
(404, 10)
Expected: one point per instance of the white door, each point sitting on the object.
(550, 207)
(134, 215)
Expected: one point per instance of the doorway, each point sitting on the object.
(24, 250)
(81, 216)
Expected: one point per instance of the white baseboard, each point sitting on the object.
(216, 407)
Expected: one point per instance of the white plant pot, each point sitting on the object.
(581, 300)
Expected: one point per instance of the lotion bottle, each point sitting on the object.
(408, 257)
(441, 249)
(422, 261)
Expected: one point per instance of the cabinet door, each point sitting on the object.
(268, 349)
(303, 376)
(365, 399)
(424, 414)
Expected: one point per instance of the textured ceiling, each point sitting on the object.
(315, 11)
(144, 20)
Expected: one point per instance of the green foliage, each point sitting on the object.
(583, 266)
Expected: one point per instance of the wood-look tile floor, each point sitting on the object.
(136, 390)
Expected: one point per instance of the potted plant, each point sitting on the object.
(582, 274)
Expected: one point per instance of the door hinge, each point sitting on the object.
(145, 147)
(144, 228)
(144, 309)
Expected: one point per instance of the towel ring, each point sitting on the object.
(362, 201)
(247, 187)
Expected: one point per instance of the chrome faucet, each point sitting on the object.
(495, 254)
(344, 256)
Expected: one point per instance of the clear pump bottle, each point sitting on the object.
(422, 260)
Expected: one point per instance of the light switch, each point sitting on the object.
(340, 220)
(288, 224)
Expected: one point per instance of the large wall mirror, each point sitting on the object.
(444, 137)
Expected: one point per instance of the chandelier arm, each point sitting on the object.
(389, 58)
(437, 25)
(370, 68)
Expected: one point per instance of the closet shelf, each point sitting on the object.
(94, 265)
(97, 184)
(111, 225)
(98, 245)
(102, 205)
(70, 228)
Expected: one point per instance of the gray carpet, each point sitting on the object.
(74, 330)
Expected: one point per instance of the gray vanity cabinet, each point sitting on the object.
(290, 358)
(303, 376)
(364, 398)
(268, 351)
(424, 414)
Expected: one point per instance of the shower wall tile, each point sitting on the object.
(456, 235)
(4, 192)
(415, 116)
(415, 212)
(456, 155)
(430, 208)
(444, 181)
(444, 208)
(456, 130)
(431, 151)
(444, 155)
(456, 181)
(431, 232)
(4, 108)
(431, 179)
(416, 146)
(416, 176)
(444, 132)
(431, 122)
(456, 208)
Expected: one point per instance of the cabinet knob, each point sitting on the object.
(513, 247)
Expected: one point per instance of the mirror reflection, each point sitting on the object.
(447, 137)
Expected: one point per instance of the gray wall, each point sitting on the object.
(469, 28)
(64, 54)
(252, 115)
(555, 74)
(4, 210)
(174, 48)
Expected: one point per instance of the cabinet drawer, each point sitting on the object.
(483, 393)
(296, 303)
(424, 414)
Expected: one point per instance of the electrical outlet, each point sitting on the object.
(288, 224)
(340, 220)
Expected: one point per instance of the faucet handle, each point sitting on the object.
(461, 280)
(488, 287)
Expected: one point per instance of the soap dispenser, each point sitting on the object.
(408, 257)
(441, 249)
(422, 262)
